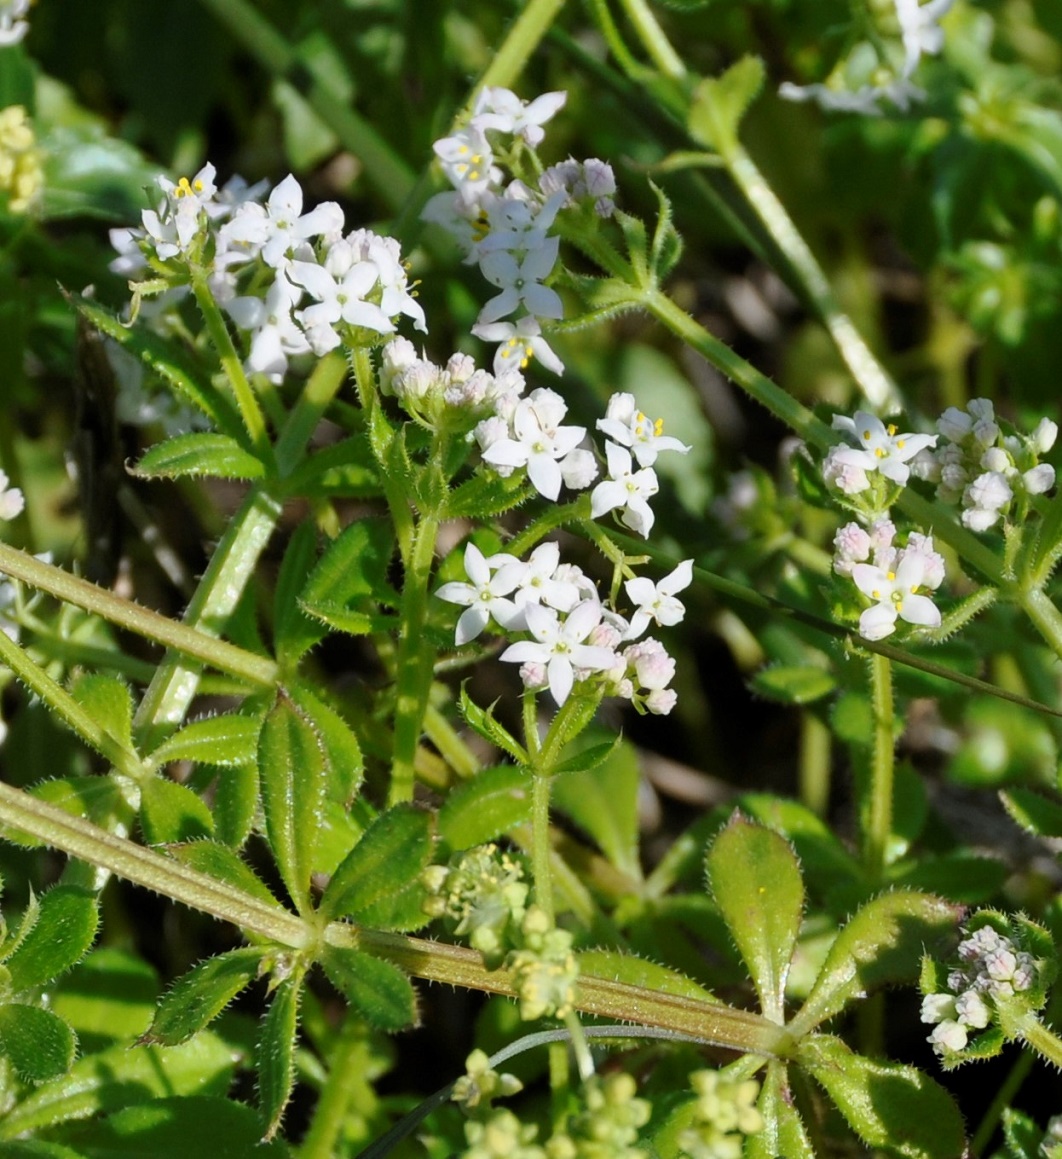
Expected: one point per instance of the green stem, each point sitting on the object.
(1002, 1099)
(171, 692)
(321, 388)
(451, 747)
(384, 169)
(165, 875)
(653, 39)
(523, 38)
(877, 810)
(815, 763)
(584, 1060)
(1045, 1042)
(73, 715)
(540, 844)
(346, 1083)
(192, 642)
(232, 364)
(874, 381)
(415, 660)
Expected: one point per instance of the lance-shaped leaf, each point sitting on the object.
(170, 812)
(633, 971)
(107, 699)
(720, 103)
(276, 1054)
(480, 809)
(883, 942)
(202, 453)
(755, 879)
(783, 1131)
(482, 721)
(378, 883)
(376, 989)
(64, 929)
(354, 565)
(1033, 811)
(199, 996)
(38, 1044)
(226, 740)
(292, 770)
(226, 865)
(294, 632)
(602, 798)
(341, 744)
(235, 804)
(889, 1106)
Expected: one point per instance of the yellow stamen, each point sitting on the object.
(891, 429)
(891, 576)
(658, 427)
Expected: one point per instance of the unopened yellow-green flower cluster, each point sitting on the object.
(20, 165)
(725, 1112)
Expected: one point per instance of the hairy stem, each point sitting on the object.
(877, 809)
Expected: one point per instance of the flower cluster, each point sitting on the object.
(480, 1085)
(13, 23)
(876, 448)
(544, 970)
(984, 468)
(862, 80)
(484, 892)
(575, 637)
(313, 285)
(608, 1126)
(722, 1116)
(892, 578)
(21, 175)
(504, 226)
(992, 968)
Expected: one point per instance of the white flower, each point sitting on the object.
(484, 597)
(626, 489)
(278, 227)
(656, 603)
(851, 545)
(505, 112)
(276, 335)
(896, 595)
(340, 298)
(886, 451)
(625, 424)
(918, 27)
(12, 501)
(520, 341)
(559, 645)
(468, 162)
(933, 561)
(175, 224)
(578, 469)
(538, 441)
(1039, 479)
(846, 469)
(520, 282)
(534, 582)
(989, 492)
(13, 26)
(866, 99)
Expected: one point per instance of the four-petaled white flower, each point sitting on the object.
(505, 112)
(627, 425)
(896, 595)
(656, 603)
(484, 598)
(520, 341)
(626, 489)
(534, 582)
(340, 298)
(538, 441)
(882, 448)
(520, 282)
(558, 645)
(278, 227)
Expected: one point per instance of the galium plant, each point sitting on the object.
(437, 477)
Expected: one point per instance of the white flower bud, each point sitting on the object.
(1039, 479)
(578, 469)
(989, 491)
(985, 432)
(398, 355)
(852, 545)
(978, 519)
(938, 1007)
(972, 1010)
(661, 701)
(949, 1036)
(996, 459)
(533, 675)
(847, 477)
(954, 424)
(1043, 437)
(981, 409)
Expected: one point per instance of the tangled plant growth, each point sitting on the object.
(416, 474)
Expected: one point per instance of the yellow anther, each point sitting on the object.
(866, 435)
(879, 452)
(891, 576)
(875, 594)
(900, 443)
(184, 188)
(891, 429)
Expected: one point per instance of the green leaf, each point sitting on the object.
(294, 633)
(376, 989)
(755, 879)
(89, 173)
(1034, 812)
(481, 720)
(166, 1127)
(107, 699)
(720, 103)
(340, 742)
(378, 883)
(354, 566)
(485, 496)
(38, 1044)
(892, 1107)
(338, 470)
(793, 683)
(276, 1054)
(200, 453)
(61, 936)
(667, 243)
(170, 813)
(1022, 1135)
(225, 865)
(883, 943)
(783, 1131)
(635, 971)
(225, 740)
(109, 995)
(602, 799)
(489, 804)
(293, 778)
(161, 356)
(122, 1075)
(341, 619)
(235, 804)
(199, 996)
(961, 877)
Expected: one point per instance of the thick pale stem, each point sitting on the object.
(814, 763)
(656, 44)
(234, 561)
(1045, 616)
(878, 808)
(540, 844)
(346, 1082)
(523, 38)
